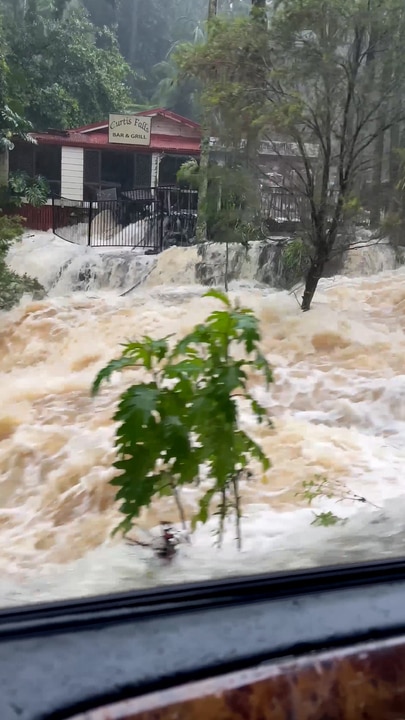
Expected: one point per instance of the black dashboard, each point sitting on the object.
(63, 658)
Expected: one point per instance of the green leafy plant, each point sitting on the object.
(12, 125)
(10, 231)
(321, 487)
(185, 416)
(352, 208)
(12, 285)
(292, 79)
(188, 174)
(229, 194)
(34, 190)
(327, 519)
(44, 87)
(295, 259)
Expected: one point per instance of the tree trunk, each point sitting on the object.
(313, 277)
(212, 9)
(134, 34)
(259, 16)
(400, 194)
(394, 161)
(376, 196)
(201, 227)
(378, 154)
(258, 12)
(4, 167)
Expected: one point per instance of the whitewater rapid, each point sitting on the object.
(338, 404)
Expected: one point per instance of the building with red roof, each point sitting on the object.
(106, 158)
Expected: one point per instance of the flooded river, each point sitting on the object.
(338, 404)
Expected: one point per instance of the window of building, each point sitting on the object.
(48, 159)
(108, 169)
(22, 158)
(143, 170)
(117, 170)
(45, 160)
(92, 169)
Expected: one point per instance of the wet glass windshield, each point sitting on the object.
(201, 291)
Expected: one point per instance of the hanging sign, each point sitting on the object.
(129, 130)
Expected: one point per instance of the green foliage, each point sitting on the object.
(230, 193)
(13, 125)
(227, 67)
(188, 174)
(80, 84)
(294, 259)
(34, 190)
(171, 91)
(392, 225)
(147, 31)
(231, 202)
(12, 285)
(323, 76)
(322, 487)
(351, 207)
(21, 187)
(48, 80)
(10, 231)
(327, 519)
(186, 415)
(401, 158)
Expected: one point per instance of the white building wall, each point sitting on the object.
(72, 173)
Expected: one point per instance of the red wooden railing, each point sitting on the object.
(36, 218)
(39, 218)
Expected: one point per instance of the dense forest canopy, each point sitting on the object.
(69, 62)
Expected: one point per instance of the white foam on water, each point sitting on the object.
(106, 232)
(63, 267)
(338, 404)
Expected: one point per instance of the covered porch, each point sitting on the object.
(90, 163)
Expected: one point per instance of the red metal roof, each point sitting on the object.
(149, 113)
(99, 141)
(95, 136)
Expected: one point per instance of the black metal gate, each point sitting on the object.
(150, 218)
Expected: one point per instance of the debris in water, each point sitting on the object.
(165, 546)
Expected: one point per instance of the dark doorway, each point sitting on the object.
(169, 167)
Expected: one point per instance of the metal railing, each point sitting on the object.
(151, 218)
(70, 220)
(155, 218)
(280, 207)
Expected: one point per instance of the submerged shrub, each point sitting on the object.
(185, 416)
(12, 285)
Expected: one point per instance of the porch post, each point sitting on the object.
(4, 167)
(154, 179)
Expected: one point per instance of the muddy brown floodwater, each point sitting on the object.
(338, 404)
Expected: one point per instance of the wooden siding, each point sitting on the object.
(72, 173)
(165, 126)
